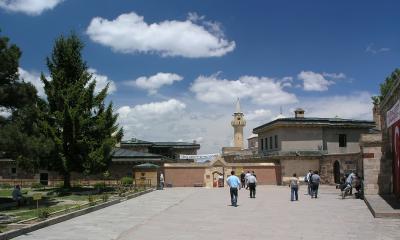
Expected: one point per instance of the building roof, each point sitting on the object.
(316, 122)
(137, 142)
(175, 144)
(146, 165)
(126, 153)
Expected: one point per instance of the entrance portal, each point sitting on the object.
(218, 179)
(336, 171)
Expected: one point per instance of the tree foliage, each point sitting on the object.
(22, 119)
(82, 126)
(387, 85)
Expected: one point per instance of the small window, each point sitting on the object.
(342, 140)
(270, 142)
(266, 143)
(13, 170)
(276, 141)
(262, 144)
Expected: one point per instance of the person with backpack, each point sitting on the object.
(294, 188)
(307, 179)
(315, 179)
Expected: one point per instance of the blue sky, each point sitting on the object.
(176, 67)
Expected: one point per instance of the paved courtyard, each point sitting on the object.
(199, 213)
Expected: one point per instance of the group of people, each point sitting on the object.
(348, 182)
(312, 179)
(247, 180)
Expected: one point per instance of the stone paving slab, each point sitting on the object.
(201, 213)
(383, 206)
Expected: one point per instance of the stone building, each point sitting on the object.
(383, 172)
(330, 145)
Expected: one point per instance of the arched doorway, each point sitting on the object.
(218, 179)
(336, 171)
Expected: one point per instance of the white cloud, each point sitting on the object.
(129, 33)
(314, 81)
(358, 106)
(259, 114)
(30, 7)
(155, 82)
(334, 75)
(370, 49)
(261, 90)
(33, 78)
(147, 116)
(102, 81)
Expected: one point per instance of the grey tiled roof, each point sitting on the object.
(126, 153)
(334, 122)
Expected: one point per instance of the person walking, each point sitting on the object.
(349, 181)
(161, 181)
(315, 179)
(17, 195)
(234, 185)
(294, 187)
(252, 180)
(246, 177)
(243, 178)
(308, 180)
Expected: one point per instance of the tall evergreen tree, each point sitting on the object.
(83, 127)
(22, 121)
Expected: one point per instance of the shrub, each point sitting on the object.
(5, 185)
(91, 200)
(101, 186)
(105, 197)
(126, 181)
(44, 213)
(37, 185)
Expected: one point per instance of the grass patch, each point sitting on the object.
(26, 213)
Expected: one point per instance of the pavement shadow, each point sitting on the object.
(392, 201)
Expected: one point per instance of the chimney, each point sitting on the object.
(299, 113)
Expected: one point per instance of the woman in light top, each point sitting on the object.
(294, 187)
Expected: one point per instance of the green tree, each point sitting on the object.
(83, 127)
(386, 86)
(21, 135)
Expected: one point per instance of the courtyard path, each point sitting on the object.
(200, 213)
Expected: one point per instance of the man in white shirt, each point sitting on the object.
(248, 174)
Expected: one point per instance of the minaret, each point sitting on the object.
(238, 124)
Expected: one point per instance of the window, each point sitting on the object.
(276, 141)
(262, 144)
(266, 143)
(13, 170)
(342, 140)
(270, 142)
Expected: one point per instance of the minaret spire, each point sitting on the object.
(238, 124)
(238, 106)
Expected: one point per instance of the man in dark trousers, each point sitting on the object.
(252, 181)
(243, 178)
(234, 185)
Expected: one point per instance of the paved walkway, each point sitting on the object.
(200, 213)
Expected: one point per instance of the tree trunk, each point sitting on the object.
(67, 180)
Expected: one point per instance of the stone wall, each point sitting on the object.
(376, 171)
(386, 162)
(184, 176)
(347, 163)
(300, 166)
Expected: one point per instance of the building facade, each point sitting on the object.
(329, 145)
